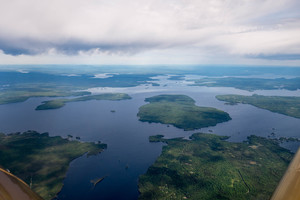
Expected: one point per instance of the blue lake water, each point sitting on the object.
(129, 154)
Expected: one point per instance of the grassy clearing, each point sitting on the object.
(58, 103)
(43, 159)
(207, 167)
(289, 106)
(180, 111)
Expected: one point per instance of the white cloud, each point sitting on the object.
(135, 28)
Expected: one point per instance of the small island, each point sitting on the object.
(58, 103)
(289, 106)
(180, 111)
(208, 167)
(42, 161)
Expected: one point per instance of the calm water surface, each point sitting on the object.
(129, 153)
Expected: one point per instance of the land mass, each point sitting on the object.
(18, 87)
(289, 106)
(180, 111)
(58, 103)
(42, 161)
(208, 167)
(250, 84)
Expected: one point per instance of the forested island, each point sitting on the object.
(289, 106)
(208, 167)
(42, 161)
(180, 111)
(58, 103)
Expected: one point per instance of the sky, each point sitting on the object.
(229, 32)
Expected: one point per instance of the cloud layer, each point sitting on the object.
(248, 28)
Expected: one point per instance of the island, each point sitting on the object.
(289, 106)
(42, 161)
(250, 84)
(180, 111)
(208, 167)
(58, 103)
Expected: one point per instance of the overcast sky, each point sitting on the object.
(258, 32)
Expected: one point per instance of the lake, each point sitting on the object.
(129, 154)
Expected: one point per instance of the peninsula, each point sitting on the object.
(208, 167)
(58, 103)
(289, 106)
(42, 161)
(250, 84)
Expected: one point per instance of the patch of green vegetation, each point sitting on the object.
(289, 106)
(180, 111)
(251, 84)
(58, 103)
(42, 159)
(208, 167)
